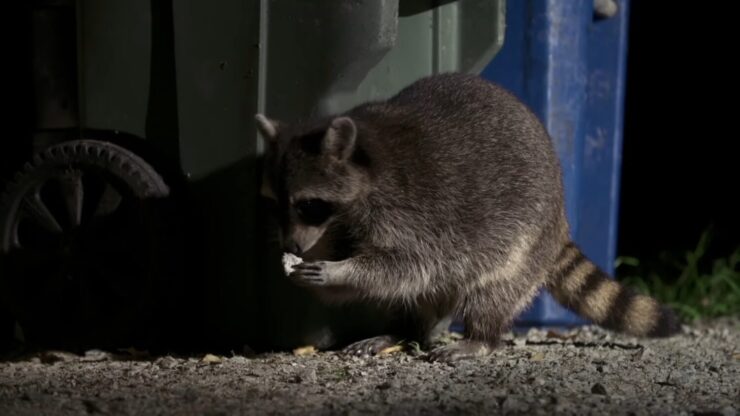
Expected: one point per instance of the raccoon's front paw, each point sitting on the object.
(460, 350)
(311, 274)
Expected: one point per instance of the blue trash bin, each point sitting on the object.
(568, 64)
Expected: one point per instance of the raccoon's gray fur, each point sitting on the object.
(450, 195)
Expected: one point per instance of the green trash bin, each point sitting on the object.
(178, 82)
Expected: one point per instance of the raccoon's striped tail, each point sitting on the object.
(581, 286)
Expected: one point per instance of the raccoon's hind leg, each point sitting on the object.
(371, 346)
(423, 323)
(488, 310)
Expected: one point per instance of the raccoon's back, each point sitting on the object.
(464, 145)
(466, 112)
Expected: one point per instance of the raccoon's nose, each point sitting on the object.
(294, 248)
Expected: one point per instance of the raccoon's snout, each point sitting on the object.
(302, 238)
(293, 248)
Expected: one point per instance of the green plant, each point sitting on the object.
(692, 284)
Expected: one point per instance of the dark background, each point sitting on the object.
(16, 84)
(680, 164)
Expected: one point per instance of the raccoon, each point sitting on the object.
(451, 198)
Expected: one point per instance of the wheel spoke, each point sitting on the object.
(109, 201)
(15, 240)
(73, 191)
(40, 214)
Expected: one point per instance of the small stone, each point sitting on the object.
(303, 351)
(166, 362)
(598, 389)
(538, 356)
(728, 411)
(642, 353)
(309, 375)
(96, 355)
(211, 359)
(391, 350)
(305, 376)
(238, 359)
(536, 381)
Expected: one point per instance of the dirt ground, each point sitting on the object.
(583, 371)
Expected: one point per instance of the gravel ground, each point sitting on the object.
(583, 371)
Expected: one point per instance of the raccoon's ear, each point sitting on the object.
(268, 128)
(340, 138)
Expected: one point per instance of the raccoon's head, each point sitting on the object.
(312, 173)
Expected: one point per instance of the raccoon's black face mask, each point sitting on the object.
(310, 175)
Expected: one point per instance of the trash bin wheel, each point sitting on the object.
(75, 244)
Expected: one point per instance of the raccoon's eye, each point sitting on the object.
(313, 211)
